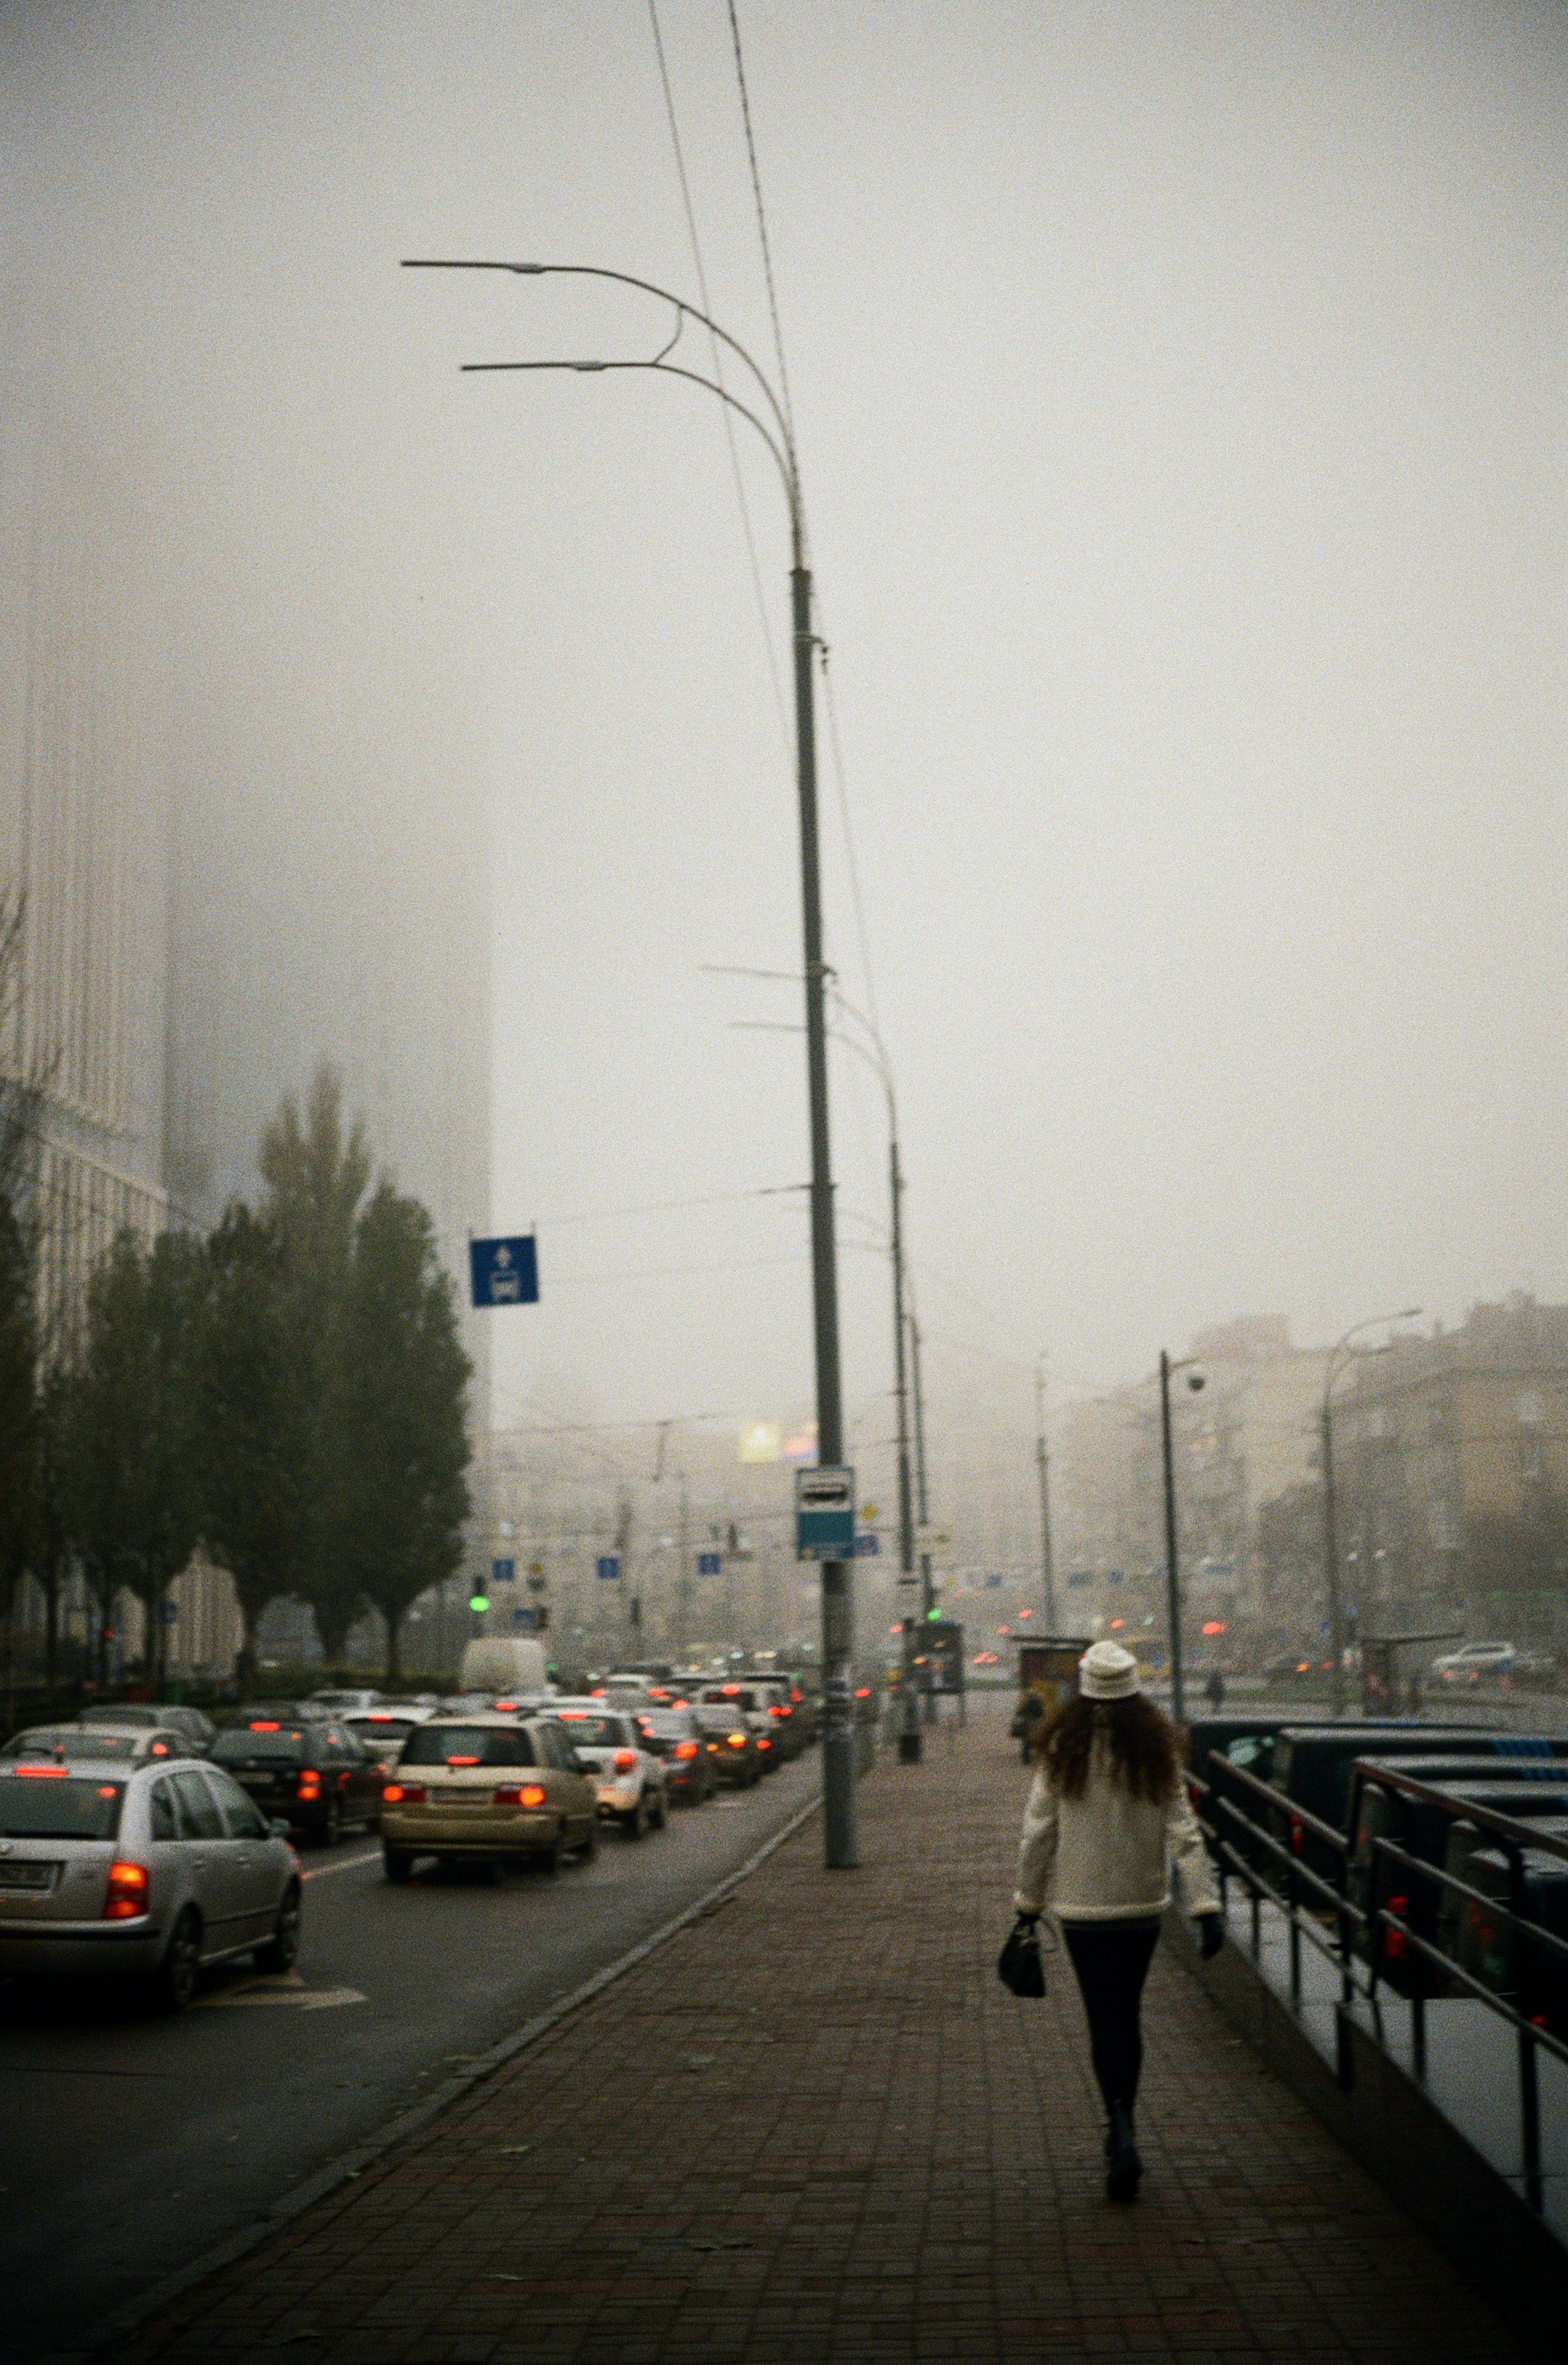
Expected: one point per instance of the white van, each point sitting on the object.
(504, 1665)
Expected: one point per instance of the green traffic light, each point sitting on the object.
(932, 1615)
(479, 1601)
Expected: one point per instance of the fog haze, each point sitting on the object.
(1180, 400)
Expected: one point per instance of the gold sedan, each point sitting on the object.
(489, 1787)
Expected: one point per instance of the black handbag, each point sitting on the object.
(1018, 1966)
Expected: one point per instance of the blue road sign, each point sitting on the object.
(709, 1564)
(1080, 1576)
(867, 1547)
(505, 1272)
(993, 1583)
(608, 1565)
(503, 1572)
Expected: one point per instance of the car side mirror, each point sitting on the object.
(277, 1828)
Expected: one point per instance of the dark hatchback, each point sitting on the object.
(309, 1771)
(671, 1735)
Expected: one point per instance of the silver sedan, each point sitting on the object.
(146, 1872)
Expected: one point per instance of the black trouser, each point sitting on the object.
(1112, 1959)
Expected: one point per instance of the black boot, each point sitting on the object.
(1122, 2158)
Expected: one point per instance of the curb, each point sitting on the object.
(404, 2123)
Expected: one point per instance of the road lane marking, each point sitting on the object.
(283, 1987)
(348, 1863)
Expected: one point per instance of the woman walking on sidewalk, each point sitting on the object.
(1107, 1815)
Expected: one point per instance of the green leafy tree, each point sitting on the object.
(131, 1493)
(398, 1417)
(256, 1446)
(317, 1171)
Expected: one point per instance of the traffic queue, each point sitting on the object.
(143, 1843)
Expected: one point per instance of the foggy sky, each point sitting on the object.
(1181, 401)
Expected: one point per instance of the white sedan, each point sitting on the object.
(631, 1781)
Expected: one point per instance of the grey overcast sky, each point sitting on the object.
(1181, 399)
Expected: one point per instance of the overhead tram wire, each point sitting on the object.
(736, 471)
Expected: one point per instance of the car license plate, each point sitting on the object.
(455, 1799)
(28, 1876)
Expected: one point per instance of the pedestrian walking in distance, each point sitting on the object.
(1107, 1817)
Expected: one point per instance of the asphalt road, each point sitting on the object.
(129, 2147)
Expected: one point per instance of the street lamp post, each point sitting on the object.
(840, 1840)
(1173, 1578)
(1338, 1359)
(1043, 1466)
(876, 1057)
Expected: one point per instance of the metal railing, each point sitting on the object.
(1243, 1818)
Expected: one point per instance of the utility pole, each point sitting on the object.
(1172, 1586)
(909, 1691)
(927, 1592)
(1042, 1463)
(773, 423)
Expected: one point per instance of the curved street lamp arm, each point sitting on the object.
(792, 1027)
(670, 369)
(1373, 1322)
(625, 279)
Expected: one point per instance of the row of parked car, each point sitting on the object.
(1480, 1816)
(144, 1843)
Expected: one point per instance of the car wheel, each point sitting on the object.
(173, 1982)
(278, 1952)
(634, 1824)
(330, 1830)
(660, 1811)
(550, 1857)
(590, 1847)
(399, 1863)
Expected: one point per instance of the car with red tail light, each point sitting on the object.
(308, 1771)
(143, 1872)
(487, 1788)
(633, 1790)
(671, 1735)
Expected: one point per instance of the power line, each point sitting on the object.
(666, 1206)
(762, 223)
(719, 373)
(853, 867)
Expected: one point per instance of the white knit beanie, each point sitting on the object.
(1107, 1672)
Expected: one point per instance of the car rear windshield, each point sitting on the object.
(667, 1724)
(381, 1728)
(75, 1745)
(593, 1732)
(43, 1805)
(467, 1745)
(285, 1746)
(126, 1713)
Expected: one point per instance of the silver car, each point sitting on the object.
(633, 1789)
(144, 1871)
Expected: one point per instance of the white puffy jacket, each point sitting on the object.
(1107, 1856)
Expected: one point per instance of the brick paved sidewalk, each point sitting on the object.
(814, 2127)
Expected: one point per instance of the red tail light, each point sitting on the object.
(524, 1794)
(623, 1760)
(1298, 1835)
(1395, 1944)
(763, 1744)
(686, 1749)
(397, 1793)
(309, 1783)
(42, 1773)
(774, 1710)
(127, 1892)
(462, 1761)
(273, 1727)
(506, 1708)
(736, 1740)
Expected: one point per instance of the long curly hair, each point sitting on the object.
(1144, 1748)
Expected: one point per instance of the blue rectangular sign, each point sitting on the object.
(607, 1566)
(503, 1572)
(710, 1564)
(867, 1547)
(505, 1272)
